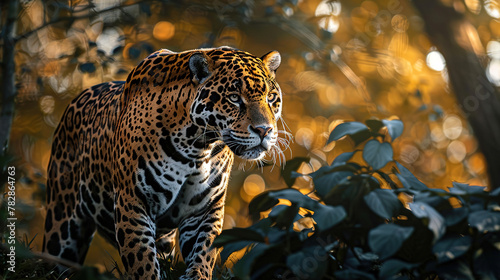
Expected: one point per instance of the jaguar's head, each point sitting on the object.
(238, 99)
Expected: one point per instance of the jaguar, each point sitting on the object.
(145, 160)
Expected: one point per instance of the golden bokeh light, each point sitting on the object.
(253, 185)
(327, 8)
(492, 7)
(47, 104)
(435, 60)
(163, 31)
(476, 163)
(452, 127)
(493, 72)
(456, 151)
(473, 5)
(409, 154)
(400, 23)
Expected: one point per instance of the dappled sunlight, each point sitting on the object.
(435, 60)
(164, 30)
(492, 7)
(327, 12)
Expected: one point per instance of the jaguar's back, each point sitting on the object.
(82, 145)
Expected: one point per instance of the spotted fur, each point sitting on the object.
(139, 160)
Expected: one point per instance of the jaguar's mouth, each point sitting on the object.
(252, 153)
(243, 150)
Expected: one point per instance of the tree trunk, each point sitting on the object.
(8, 73)
(459, 43)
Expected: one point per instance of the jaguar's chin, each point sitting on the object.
(248, 153)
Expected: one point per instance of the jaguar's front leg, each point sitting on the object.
(196, 235)
(135, 235)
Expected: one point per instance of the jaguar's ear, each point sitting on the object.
(199, 67)
(272, 60)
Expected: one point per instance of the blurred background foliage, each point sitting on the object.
(341, 60)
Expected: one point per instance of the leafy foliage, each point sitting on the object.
(353, 225)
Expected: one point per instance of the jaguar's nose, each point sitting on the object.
(262, 131)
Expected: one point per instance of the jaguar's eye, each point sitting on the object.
(271, 97)
(235, 98)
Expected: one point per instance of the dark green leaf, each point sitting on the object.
(324, 183)
(392, 267)
(233, 247)
(327, 216)
(365, 256)
(262, 226)
(374, 125)
(436, 222)
(495, 192)
(377, 154)
(408, 180)
(321, 171)
(290, 166)
(296, 197)
(261, 202)
(386, 239)
(349, 167)
(455, 215)
(485, 221)
(242, 269)
(456, 269)
(361, 136)
(486, 262)
(309, 263)
(388, 179)
(384, 203)
(347, 128)
(285, 215)
(394, 127)
(451, 247)
(462, 189)
(432, 199)
(342, 193)
(350, 273)
(275, 235)
(237, 234)
(292, 195)
(342, 159)
(295, 174)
